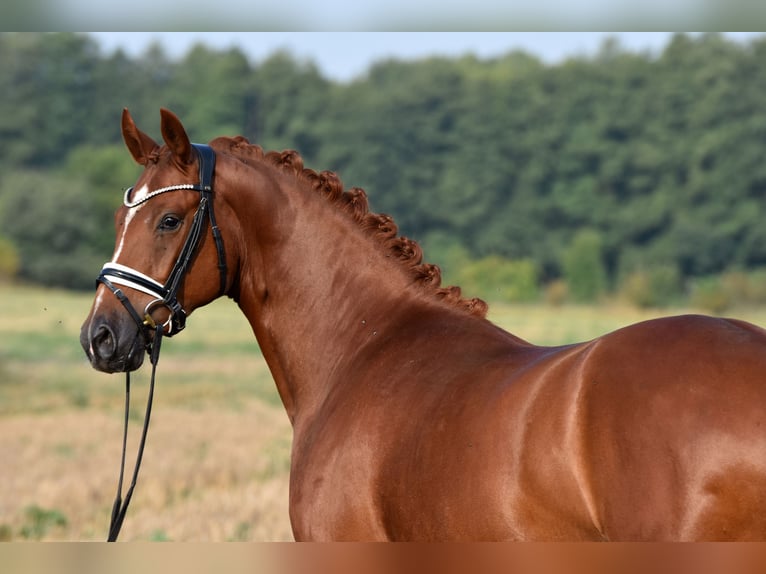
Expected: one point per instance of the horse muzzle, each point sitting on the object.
(113, 346)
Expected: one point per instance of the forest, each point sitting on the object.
(621, 173)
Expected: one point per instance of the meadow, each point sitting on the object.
(217, 459)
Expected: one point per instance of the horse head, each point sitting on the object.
(164, 264)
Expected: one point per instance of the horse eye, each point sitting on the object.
(170, 222)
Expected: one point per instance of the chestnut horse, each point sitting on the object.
(414, 417)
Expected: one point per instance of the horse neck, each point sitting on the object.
(313, 286)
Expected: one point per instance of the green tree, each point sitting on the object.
(52, 227)
(583, 266)
(47, 81)
(496, 279)
(212, 90)
(659, 155)
(655, 286)
(9, 260)
(290, 99)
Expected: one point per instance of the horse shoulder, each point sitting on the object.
(402, 425)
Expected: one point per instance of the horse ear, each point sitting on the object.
(139, 144)
(175, 137)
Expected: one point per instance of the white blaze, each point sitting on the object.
(136, 196)
(141, 192)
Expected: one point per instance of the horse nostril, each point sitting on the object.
(104, 343)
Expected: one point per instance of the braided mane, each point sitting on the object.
(354, 203)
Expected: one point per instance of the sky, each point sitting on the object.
(342, 56)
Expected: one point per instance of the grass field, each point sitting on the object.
(217, 458)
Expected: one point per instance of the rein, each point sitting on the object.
(113, 274)
(120, 507)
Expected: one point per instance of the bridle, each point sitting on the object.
(165, 295)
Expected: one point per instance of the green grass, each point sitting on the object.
(39, 521)
(218, 453)
(216, 360)
(43, 367)
(546, 325)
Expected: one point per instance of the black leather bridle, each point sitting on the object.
(165, 295)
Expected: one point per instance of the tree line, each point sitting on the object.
(622, 171)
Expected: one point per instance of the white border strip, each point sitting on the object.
(127, 282)
(155, 193)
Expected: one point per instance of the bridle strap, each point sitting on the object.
(128, 277)
(120, 506)
(206, 170)
(122, 298)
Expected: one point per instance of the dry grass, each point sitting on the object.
(216, 464)
(208, 474)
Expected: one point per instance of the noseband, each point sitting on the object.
(166, 295)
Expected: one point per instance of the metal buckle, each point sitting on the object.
(149, 320)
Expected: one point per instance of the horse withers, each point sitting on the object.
(414, 417)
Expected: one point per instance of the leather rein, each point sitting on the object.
(165, 295)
